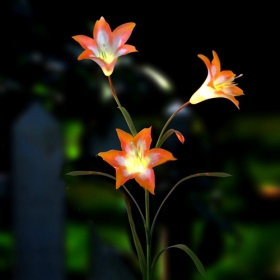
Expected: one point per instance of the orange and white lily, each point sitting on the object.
(218, 83)
(136, 160)
(106, 46)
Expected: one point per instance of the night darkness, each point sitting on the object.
(168, 36)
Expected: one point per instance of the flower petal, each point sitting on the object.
(209, 93)
(233, 90)
(107, 68)
(126, 140)
(122, 33)
(158, 156)
(87, 43)
(231, 98)
(146, 180)
(203, 93)
(143, 140)
(122, 176)
(208, 65)
(180, 136)
(224, 76)
(215, 65)
(205, 60)
(86, 54)
(125, 49)
(114, 158)
(102, 33)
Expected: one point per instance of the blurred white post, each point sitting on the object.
(38, 196)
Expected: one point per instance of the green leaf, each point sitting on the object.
(167, 134)
(128, 120)
(212, 174)
(186, 249)
(164, 137)
(140, 253)
(79, 173)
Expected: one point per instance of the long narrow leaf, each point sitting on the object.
(168, 133)
(78, 173)
(140, 253)
(213, 174)
(187, 250)
(128, 120)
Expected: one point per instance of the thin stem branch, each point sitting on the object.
(174, 187)
(130, 126)
(114, 178)
(169, 120)
(133, 199)
(148, 236)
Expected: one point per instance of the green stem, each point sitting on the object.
(136, 204)
(169, 120)
(148, 236)
(131, 127)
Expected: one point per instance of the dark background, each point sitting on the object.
(233, 228)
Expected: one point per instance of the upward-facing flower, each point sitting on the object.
(106, 46)
(218, 83)
(136, 160)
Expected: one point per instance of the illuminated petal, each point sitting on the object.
(158, 156)
(205, 60)
(122, 33)
(125, 49)
(102, 33)
(87, 43)
(208, 65)
(231, 98)
(107, 68)
(114, 158)
(143, 140)
(180, 136)
(126, 140)
(203, 93)
(224, 77)
(122, 176)
(87, 54)
(233, 90)
(146, 180)
(215, 65)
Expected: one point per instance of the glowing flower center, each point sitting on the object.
(220, 85)
(105, 53)
(223, 85)
(135, 161)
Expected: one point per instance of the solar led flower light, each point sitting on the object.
(136, 159)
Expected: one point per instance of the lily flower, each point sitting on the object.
(106, 46)
(218, 83)
(136, 160)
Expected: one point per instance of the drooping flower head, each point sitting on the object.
(136, 160)
(218, 83)
(106, 46)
